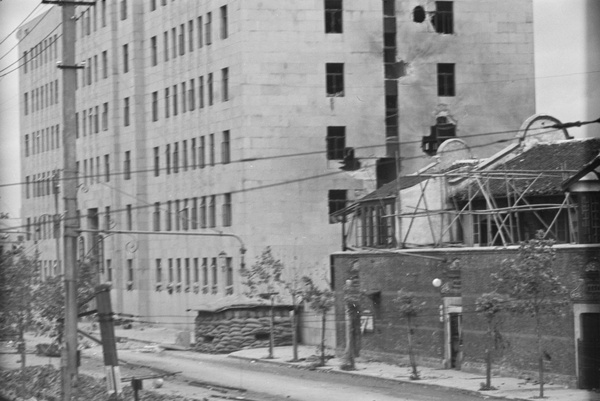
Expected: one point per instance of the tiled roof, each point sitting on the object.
(390, 190)
(542, 159)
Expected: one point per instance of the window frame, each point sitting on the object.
(336, 142)
(446, 79)
(335, 79)
(334, 16)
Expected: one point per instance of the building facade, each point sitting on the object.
(248, 123)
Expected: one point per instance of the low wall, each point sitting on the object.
(235, 328)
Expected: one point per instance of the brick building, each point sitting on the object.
(458, 222)
(234, 117)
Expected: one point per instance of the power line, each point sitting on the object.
(39, 54)
(19, 25)
(24, 36)
(250, 160)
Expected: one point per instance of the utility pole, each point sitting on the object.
(56, 228)
(69, 80)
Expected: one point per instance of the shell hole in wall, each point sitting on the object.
(418, 14)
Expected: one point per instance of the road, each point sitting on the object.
(266, 382)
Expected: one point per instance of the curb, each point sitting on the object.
(356, 373)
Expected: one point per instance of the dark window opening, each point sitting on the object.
(389, 47)
(208, 339)
(589, 217)
(386, 171)
(446, 78)
(391, 114)
(335, 79)
(336, 142)
(376, 225)
(389, 8)
(333, 16)
(337, 201)
(443, 19)
(442, 131)
(262, 336)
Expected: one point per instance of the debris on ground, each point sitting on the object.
(44, 383)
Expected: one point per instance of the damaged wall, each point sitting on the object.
(492, 49)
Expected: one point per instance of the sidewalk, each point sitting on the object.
(510, 388)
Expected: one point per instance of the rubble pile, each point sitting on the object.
(43, 383)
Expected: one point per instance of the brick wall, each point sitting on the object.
(388, 273)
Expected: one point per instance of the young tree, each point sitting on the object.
(18, 276)
(409, 309)
(49, 300)
(352, 304)
(536, 290)
(490, 305)
(321, 302)
(265, 279)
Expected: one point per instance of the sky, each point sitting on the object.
(567, 61)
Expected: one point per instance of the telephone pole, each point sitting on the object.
(69, 79)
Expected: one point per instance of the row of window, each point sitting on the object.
(192, 154)
(41, 97)
(92, 71)
(182, 100)
(183, 274)
(49, 268)
(175, 42)
(39, 185)
(92, 120)
(89, 18)
(42, 140)
(91, 170)
(41, 54)
(199, 154)
(43, 227)
(335, 79)
(193, 213)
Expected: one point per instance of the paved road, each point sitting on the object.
(266, 382)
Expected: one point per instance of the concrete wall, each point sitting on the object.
(492, 49)
(389, 273)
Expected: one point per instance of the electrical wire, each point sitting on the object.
(24, 36)
(39, 55)
(19, 25)
(251, 160)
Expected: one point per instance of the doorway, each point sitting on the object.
(588, 349)
(455, 339)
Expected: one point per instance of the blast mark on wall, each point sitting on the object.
(418, 14)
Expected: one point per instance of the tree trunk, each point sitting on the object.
(488, 357)
(294, 333)
(348, 360)
(411, 354)
(323, 324)
(540, 350)
(21, 346)
(272, 331)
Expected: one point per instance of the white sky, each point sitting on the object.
(563, 70)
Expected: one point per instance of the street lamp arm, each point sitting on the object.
(193, 234)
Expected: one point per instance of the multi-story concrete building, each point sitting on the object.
(234, 117)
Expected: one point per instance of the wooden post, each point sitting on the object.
(272, 328)
(107, 334)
